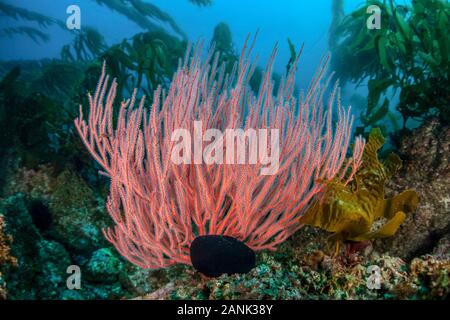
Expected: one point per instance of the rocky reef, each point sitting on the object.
(426, 169)
(318, 276)
(53, 226)
(51, 220)
(5, 257)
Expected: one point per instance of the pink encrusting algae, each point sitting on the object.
(159, 207)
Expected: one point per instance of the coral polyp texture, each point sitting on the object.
(159, 207)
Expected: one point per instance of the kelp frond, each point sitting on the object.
(35, 34)
(143, 14)
(18, 13)
(202, 3)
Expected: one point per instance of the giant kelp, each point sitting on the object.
(409, 54)
(144, 14)
(88, 43)
(352, 212)
(31, 121)
(17, 13)
(46, 92)
(145, 61)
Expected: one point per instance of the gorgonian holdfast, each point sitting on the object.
(160, 207)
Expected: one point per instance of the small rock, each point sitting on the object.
(104, 266)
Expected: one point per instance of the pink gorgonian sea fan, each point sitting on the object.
(159, 207)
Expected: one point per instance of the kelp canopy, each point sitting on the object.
(409, 53)
(47, 92)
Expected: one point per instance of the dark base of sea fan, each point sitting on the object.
(214, 255)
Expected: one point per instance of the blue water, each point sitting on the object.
(302, 21)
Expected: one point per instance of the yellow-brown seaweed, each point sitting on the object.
(352, 211)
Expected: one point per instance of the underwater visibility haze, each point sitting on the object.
(213, 149)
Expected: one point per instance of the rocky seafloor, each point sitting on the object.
(49, 221)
